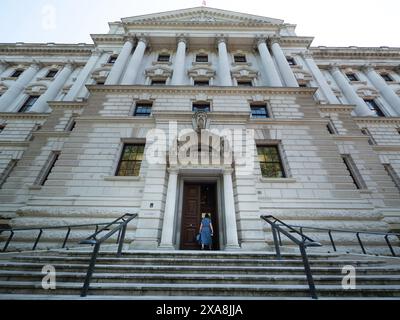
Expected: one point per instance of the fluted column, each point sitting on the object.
(319, 77)
(351, 95)
(54, 88)
(120, 63)
(167, 236)
(232, 241)
(135, 62)
(18, 86)
(179, 64)
(223, 64)
(283, 65)
(268, 64)
(386, 91)
(83, 76)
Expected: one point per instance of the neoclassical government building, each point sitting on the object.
(176, 114)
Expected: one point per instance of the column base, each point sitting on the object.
(255, 246)
(232, 248)
(143, 244)
(166, 247)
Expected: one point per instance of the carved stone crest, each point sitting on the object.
(200, 121)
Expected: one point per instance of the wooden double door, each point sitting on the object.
(198, 199)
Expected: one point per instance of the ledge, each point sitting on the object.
(120, 178)
(343, 137)
(34, 187)
(278, 180)
(394, 120)
(28, 115)
(386, 147)
(14, 143)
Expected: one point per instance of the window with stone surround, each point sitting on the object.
(131, 159)
(163, 57)
(367, 133)
(393, 174)
(201, 83)
(158, 82)
(373, 106)
(351, 76)
(51, 73)
(354, 172)
(143, 109)
(202, 57)
(331, 127)
(112, 59)
(270, 161)
(47, 168)
(17, 73)
(201, 106)
(29, 102)
(386, 77)
(7, 171)
(259, 110)
(239, 58)
(2, 127)
(291, 61)
(244, 83)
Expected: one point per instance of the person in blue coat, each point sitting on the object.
(206, 232)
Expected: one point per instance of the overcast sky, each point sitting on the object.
(332, 23)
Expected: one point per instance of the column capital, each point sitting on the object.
(274, 39)
(36, 64)
(142, 38)
(4, 62)
(227, 171)
(129, 38)
(260, 39)
(307, 54)
(368, 67)
(221, 38)
(334, 67)
(173, 170)
(182, 38)
(97, 52)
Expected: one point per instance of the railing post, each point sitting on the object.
(8, 241)
(332, 242)
(361, 244)
(90, 270)
(390, 246)
(121, 241)
(66, 237)
(37, 239)
(307, 270)
(277, 249)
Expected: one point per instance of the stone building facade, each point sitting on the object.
(90, 132)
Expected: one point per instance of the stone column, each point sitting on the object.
(351, 95)
(18, 86)
(319, 77)
(268, 64)
(83, 76)
(3, 66)
(232, 242)
(386, 91)
(179, 64)
(223, 64)
(135, 62)
(54, 88)
(283, 65)
(119, 65)
(167, 236)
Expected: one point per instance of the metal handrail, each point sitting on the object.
(122, 223)
(356, 232)
(277, 227)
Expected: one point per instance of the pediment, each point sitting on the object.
(201, 15)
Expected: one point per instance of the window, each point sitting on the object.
(331, 127)
(291, 61)
(366, 132)
(143, 109)
(51, 73)
(201, 83)
(112, 59)
(303, 85)
(351, 76)
(2, 126)
(100, 82)
(372, 105)
(201, 107)
(201, 57)
(131, 160)
(7, 171)
(71, 125)
(163, 57)
(160, 82)
(387, 77)
(396, 179)
(259, 111)
(28, 104)
(353, 172)
(17, 73)
(238, 58)
(48, 168)
(245, 83)
(270, 162)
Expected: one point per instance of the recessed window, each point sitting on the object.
(17, 73)
(353, 172)
(163, 57)
(239, 58)
(393, 175)
(112, 59)
(201, 107)
(51, 73)
(160, 82)
(245, 83)
(387, 77)
(373, 106)
(291, 61)
(100, 82)
(367, 133)
(201, 83)
(143, 109)
(7, 171)
(303, 85)
(48, 168)
(259, 111)
(131, 160)
(71, 125)
(2, 127)
(351, 76)
(201, 57)
(30, 101)
(270, 161)
(331, 127)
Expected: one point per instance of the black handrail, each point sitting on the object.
(357, 233)
(122, 223)
(277, 227)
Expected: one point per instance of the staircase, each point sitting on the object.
(195, 275)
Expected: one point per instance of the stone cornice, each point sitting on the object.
(199, 90)
(108, 38)
(45, 49)
(295, 41)
(14, 143)
(230, 117)
(345, 137)
(378, 120)
(288, 122)
(122, 119)
(67, 104)
(355, 52)
(28, 115)
(386, 148)
(341, 108)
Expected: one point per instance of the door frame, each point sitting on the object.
(200, 179)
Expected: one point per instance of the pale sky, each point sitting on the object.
(332, 23)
